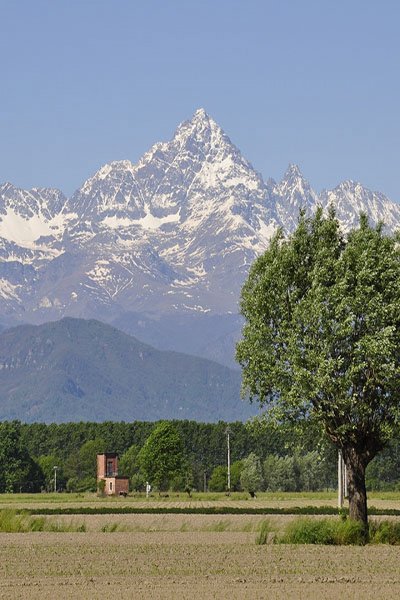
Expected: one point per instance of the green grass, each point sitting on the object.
(384, 532)
(133, 498)
(264, 533)
(331, 532)
(218, 526)
(12, 521)
(323, 531)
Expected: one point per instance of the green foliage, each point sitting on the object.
(47, 464)
(323, 531)
(251, 478)
(193, 510)
(81, 467)
(321, 340)
(385, 532)
(312, 471)
(18, 471)
(138, 482)
(82, 484)
(162, 457)
(219, 526)
(322, 328)
(383, 472)
(101, 486)
(110, 528)
(294, 473)
(205, 448)
(279, 474)
(13, 522)
(342, 532)
(219, 479)
(236, 471)
(130, 467)
(205, 443)
(128, 463)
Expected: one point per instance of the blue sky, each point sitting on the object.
(84, 82)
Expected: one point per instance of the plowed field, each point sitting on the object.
(184, 556)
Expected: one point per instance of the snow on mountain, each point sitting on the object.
(27, 215)
(173, 234)
(350, 199)
(292, 194)
(195, 201)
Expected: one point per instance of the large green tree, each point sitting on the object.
(321, 338)
(162, 458)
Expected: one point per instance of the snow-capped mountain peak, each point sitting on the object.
(173, 233)
(351, 198)
(292, 194)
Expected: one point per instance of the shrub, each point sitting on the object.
(385, 532)
(308, 531)
(323, 531)
(349, 532)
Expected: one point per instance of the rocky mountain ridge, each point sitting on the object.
(170, 238)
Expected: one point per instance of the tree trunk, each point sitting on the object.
(356, 464)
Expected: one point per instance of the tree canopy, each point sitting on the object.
(18, 472)
(251, 477)
(321, 336)
(162, 457)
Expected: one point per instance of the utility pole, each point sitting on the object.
(55, 478)
(342, 480)
(228, 431)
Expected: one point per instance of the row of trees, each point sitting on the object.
(295, 473)
(179, 455)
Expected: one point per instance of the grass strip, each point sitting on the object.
(332, 532)
(197, 510)
(12, 521)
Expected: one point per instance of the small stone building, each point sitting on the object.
(107, 470)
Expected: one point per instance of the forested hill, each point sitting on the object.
(75, 369)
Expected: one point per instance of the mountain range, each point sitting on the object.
(77, 369)
(161, 248)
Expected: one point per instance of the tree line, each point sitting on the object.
(179, 455)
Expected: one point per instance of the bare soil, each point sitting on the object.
(183, 556)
